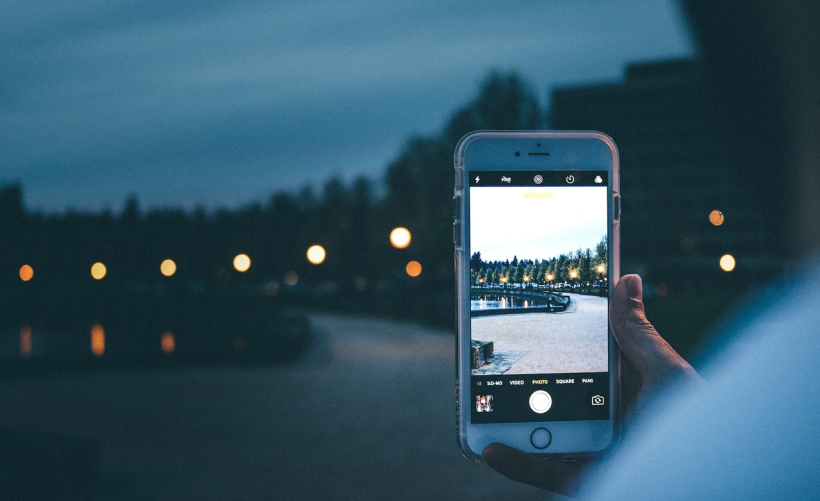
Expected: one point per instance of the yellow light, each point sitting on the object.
(168, 267)
(573, 273)
(400, 237)
(526, 278)
(316, 254)
(26, 272)
(601, 268)
(98, 271)
(25, 340)
(167, 342)
(413, 269)
(727, 262)
(291, 278)
(97, 340)
(716, 217)
(549, 276)
(242, 263)
(504, 280)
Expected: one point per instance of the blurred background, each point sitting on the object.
(226, 230)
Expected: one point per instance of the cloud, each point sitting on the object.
(117, 96)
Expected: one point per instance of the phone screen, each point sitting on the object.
(539, 287)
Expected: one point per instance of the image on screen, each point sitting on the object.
(538, 279)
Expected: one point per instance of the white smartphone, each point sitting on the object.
(536, 228)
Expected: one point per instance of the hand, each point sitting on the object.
(647, 363)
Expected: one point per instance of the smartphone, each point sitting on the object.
(536, 227)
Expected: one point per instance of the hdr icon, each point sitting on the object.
(597, 400)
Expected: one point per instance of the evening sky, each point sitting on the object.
(222, 103)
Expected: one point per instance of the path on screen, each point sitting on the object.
(573, 341)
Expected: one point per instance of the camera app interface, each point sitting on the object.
(539, 296)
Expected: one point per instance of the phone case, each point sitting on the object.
(466, 154)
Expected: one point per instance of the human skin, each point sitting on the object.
(648, 364)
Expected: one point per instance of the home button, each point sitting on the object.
(541, 438)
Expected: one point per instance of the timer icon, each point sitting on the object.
(570, 179)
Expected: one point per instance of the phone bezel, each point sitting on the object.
(568, 150)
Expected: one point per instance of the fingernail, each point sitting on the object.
(634, 288)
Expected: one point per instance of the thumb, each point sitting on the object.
(638, 340)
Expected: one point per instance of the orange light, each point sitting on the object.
(168, 267)
(98, 271)
(167, 342)
(413, 269)
(97, 340)
(716, 217)
(316, 254)
(25, 340)
(26, 272)
(573, 273)
(400, 237)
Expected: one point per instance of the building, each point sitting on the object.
(674, 174)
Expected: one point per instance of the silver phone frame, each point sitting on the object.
(579, 150)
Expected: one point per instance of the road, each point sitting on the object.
(545, 343)
(367, 414)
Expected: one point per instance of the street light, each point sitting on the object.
(400, 237)
(316, 254)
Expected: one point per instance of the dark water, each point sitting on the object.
(490, 301)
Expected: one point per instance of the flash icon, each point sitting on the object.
(477, 179)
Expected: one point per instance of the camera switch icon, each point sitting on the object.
(597, 400)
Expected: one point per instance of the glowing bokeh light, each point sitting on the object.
(600, 268)
(716, 217)
(400, 237)
(242, 263)
(291, 278)
(98, 271)
(727, 262)
(413, 269)
(167, 342)
(26, 273)
(168, 267)
(316, 254)
(573, 274)
(25, 340)
(97, 340)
